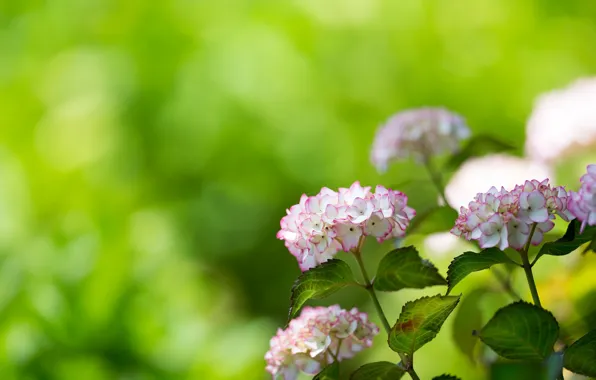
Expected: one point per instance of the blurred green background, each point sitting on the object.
(148, 150)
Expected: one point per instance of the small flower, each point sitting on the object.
(360, 210)
(583, 202)
(494, 232)
(505, 218)
(313, 339)
(322, 225)
(533, 206)
(378, 226)
(418, 133)
(518, 233)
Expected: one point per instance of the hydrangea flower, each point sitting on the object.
(502, 218)
(316, 338)
(583, 203)
(479, 173)
(319, 226)
(563, 122)
(418, 133)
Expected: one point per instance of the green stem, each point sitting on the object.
(528, 268)
(405, 364)
(436, 179)
(369, 288)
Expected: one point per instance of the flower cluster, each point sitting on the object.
(419, 133)
(319, 226)
(583, 203)
(563, 122)
(316, 338)
(501, 218)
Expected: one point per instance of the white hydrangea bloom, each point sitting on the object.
(562, 121)
(480, 173)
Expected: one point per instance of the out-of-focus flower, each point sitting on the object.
(480, 173)
(583, 203)
(319, 226)
(418, 133)
(502, 218)
(562, 121)
(316, 338)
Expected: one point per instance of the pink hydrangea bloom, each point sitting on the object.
(319, 226)
(502, 218)
(311, 341)
(418, 133)
(583, 203)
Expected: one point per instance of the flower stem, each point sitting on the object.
(436, 179)
(528, 268)
(406, 364)
(369, 288)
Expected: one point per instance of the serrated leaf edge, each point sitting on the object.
(470, 253)
(297, 282)
(521, 302)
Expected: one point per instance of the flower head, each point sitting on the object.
(502, 218)
(479, 173)
(583, 203)
(316, 338)
(418, 133)
(319, 226)
(562, 121)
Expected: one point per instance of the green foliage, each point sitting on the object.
(580, 357)
(422, 195)
(467, 318)
(331, 372)
(378, 371)
(470, 262)
(127, 146)
(404, 268)
(437, 219)
(446, 377)
(521, 331)
(517, 371)
(570, 241)
(419, 322)
(478, 145)
(319, 282)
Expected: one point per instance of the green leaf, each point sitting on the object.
(477, 146)
(437, 219)
(378, 371)
(318, 283)
(404, 268)
(571, 240)
(521, 331)
(470, 262)
(517, 371)
(331, 372)
(446, 377)
(419, 322)
(467, 319)
(580, 357)
(592, 245)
